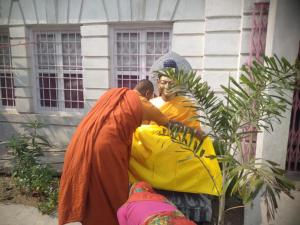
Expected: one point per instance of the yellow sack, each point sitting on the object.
(166, 165)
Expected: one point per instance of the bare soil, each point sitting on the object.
(235, 216)
(9, 193)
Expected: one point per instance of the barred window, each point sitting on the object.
(134, 52)
(7, 93)
(259, 24)
(59, 70)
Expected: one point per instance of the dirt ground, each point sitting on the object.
(9, 194)
(19, 209)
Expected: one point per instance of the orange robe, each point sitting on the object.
(179, 109)
(94, 182)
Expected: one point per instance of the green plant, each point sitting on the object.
(30, 175)
(257, 100)
(50, 198)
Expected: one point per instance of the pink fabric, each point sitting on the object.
(135, 213)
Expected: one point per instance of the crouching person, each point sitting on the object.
(145, 207)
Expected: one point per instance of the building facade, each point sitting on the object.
(58, 56)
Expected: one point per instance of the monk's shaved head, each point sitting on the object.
(144, 87)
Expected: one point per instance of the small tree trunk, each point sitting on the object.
(222, 199)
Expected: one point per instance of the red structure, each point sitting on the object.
(293, 151)
(259, 24)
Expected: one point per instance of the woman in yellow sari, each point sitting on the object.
(167, 166)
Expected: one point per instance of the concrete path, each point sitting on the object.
(15, 214)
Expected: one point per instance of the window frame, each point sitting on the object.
(140, 28)
(9, 70)
(61, 109)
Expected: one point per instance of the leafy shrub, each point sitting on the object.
(30, 175)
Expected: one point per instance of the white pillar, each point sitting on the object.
(221, 42)
(95, 54)
(22, 69)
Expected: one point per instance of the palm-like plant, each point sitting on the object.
(257, 100)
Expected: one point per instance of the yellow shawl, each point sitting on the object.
(165, 164)
(180, 109)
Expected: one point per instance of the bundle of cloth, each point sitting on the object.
(145, 207)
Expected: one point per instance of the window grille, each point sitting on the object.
(134, 52)
(293, 148)
(7, 93)
(259, 23)
(59, 70)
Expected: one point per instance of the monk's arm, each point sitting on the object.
(151, 113)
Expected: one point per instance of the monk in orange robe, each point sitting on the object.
(94, 182)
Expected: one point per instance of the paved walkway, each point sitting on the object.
(15, 214)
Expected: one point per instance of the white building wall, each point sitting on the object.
(94, 45)
(222, 38)
(21, 68)
(188, 41)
